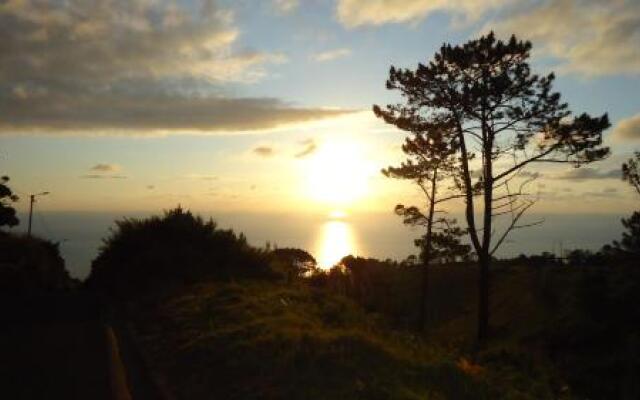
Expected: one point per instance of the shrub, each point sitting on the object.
(174, 249)
(31, 265)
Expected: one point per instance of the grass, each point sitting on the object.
(259, 340)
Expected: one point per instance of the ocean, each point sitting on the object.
(379, 235)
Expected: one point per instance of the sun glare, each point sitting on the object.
(335, 242)
(337, 174)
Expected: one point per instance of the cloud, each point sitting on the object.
(586, 173)
(285, 6)
(116, 66)
(589, 37)
(264, 151)
(627, 129)
(330, 55)
(100, 176)
(203, 177)
(104, 171)
(141, 114)
(354, 13)
(529, 175)
(106, 40)
(606, 193)
(310, 147)
(102, 168)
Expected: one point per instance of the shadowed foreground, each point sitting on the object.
(54, 346)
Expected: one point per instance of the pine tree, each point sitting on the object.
(631, 171)
(483, 95)
(430, 161)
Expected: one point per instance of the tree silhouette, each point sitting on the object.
(429, 162)
(484, 95)
(631, 171)
(7, 213)
(294, 263)
(630, 243)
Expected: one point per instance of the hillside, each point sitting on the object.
(270, 341)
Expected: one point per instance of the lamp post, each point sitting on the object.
(32, 199)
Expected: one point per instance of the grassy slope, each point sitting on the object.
(567, 328)
(269, 341)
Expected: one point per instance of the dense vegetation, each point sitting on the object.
(578, 324)
(241, 322)
(31, 265)
(261, 340)
(175, 249)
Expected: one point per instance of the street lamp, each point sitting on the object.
(32, 199)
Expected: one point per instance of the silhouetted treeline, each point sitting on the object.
(174, 249)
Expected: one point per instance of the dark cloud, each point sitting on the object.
(139, 115)
(586, 173)
(105, 168)
(132, 67)
(264, 151)
(104, 171)
(309, 148)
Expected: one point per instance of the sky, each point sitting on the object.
(265, 106)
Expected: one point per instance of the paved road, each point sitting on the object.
(54, 347)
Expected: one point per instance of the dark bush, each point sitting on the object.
(31, 265)
(174, 249)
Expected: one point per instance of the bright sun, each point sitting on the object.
(337, 174)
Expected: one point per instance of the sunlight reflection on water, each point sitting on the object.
(336, 240)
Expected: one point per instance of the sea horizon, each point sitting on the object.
(374, 234)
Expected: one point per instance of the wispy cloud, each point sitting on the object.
(354, 13)
(285, 6)
(101, 176)
(309, 147)
(627, 129)
(330, 55)
(203, 177)
(264, 151)
(589, 37)
(586, 173)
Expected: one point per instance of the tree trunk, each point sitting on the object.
(424, 293)
(487, 230)
(483, 300)
(424, 296)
